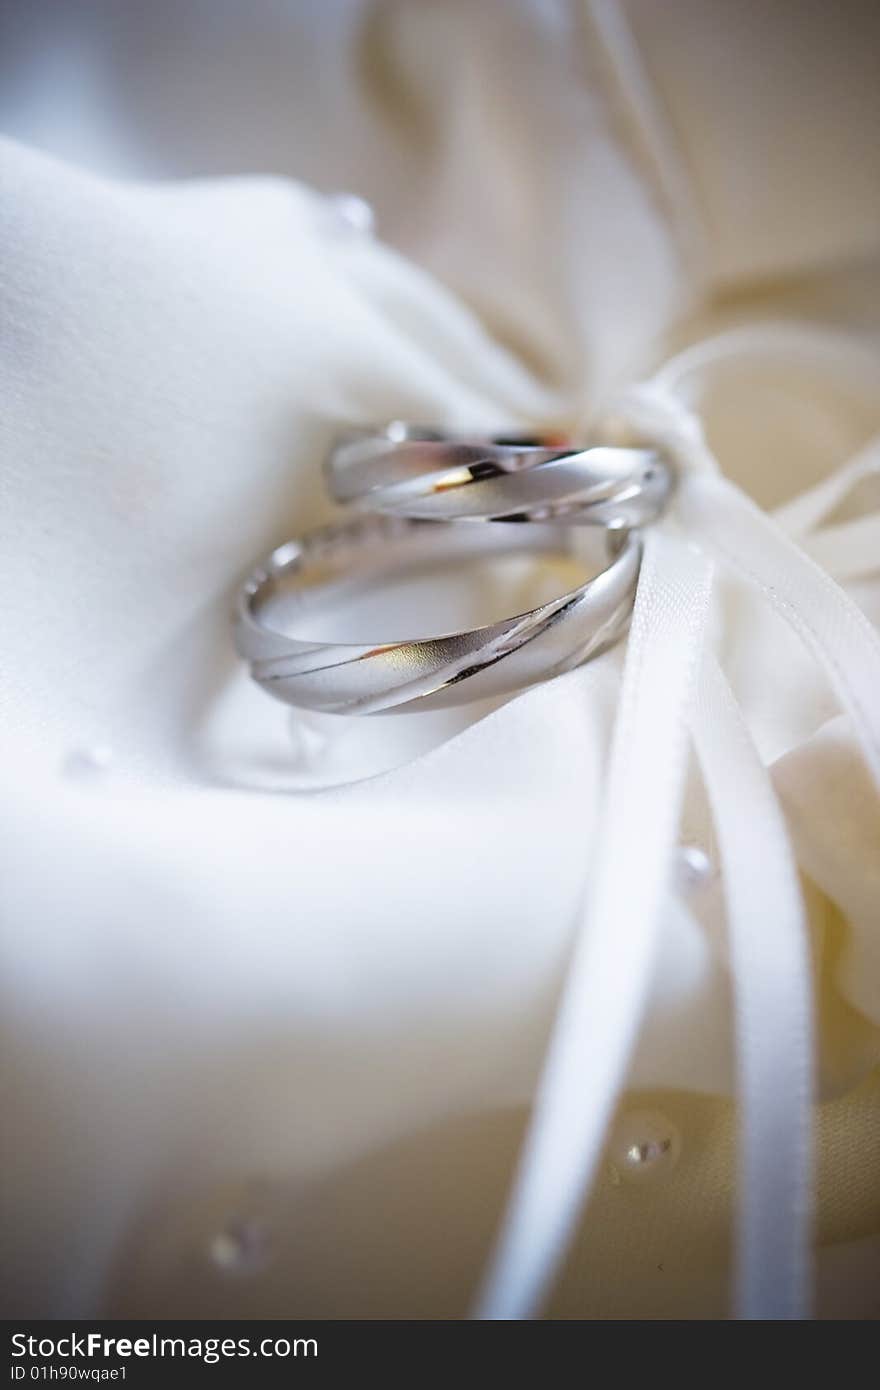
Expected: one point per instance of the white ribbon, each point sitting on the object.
(830, 624)
(770, 965)
(598, 1018)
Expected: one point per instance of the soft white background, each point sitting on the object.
(227, 992)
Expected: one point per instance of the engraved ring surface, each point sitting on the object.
(415, 471)
(305, 576)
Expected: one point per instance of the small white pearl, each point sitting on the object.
(355, 212)
(82, 764)
(644, 1145)
(242, 1247)
(693, 868)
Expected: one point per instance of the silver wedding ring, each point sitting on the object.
(417, 488)
(414, 471)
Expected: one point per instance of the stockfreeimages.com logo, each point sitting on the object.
(89, 1345)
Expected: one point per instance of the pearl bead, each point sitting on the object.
(242, 1247)
(693, 868)
(356, 213)
(82, 764)
(644, 1145)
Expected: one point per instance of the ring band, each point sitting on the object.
(414, 471)
(431, 672)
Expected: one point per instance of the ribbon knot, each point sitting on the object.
(653, 414)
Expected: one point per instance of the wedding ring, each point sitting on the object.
(414, 471)
(306, 576)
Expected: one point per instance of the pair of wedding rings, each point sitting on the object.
(416, 495)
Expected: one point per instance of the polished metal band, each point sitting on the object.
(413, 471)
(430, 672)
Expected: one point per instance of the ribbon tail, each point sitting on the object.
(770, 967)
(603, 999)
